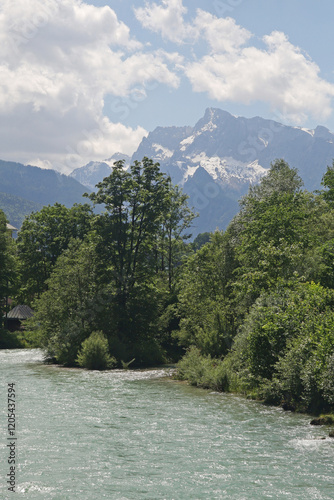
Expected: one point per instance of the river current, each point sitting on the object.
(138, 435)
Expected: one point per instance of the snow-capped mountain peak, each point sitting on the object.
(217, 159)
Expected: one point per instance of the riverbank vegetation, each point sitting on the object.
(250, 310)
(112, 272)
(256, 303)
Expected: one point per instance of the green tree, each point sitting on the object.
(94, 353)
(43, 237)
(200, 240)
(271, 232)
(281, 178)
(118, 279)
(8, 267)
(145, 219)
(205, 298)
(177, 219)
(3, 265)
(254, 285)
(328, 182)
(285, 345)
(73, 305)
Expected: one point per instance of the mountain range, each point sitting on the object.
(95, 171)
(214, 161)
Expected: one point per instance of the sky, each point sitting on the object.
(80, 81)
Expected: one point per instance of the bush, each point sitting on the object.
(9, 340)
(94, 353)
(327, 384)
(202, 371)
(283, 352)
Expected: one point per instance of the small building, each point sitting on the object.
(11, 229)
(16, 317)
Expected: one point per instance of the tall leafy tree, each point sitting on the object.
(285, 344)
(73, 304)
(3, 264)
(144, 216)
(43, 237)
(328, 182)
(177, 219)
(271, 231)
(7, 266)
(206, 305)
(117, 282)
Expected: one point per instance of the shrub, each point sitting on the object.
(94, 353)
(9, 340)
(202, 371)
(327, 383)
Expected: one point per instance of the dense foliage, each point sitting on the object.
(3, 265)
(113, 272)
(94, 354)
(256, 303)
(8, 267)
(42, 239)
(250, 310)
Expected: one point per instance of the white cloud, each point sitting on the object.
(222, 34)
(166, 19)
(280, 75)
(234, 70)
(77, 52)
(64, 142)
(58, 61)
(95, 143)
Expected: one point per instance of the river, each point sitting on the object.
(138, 435)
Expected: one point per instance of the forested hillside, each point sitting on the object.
(16, 208)
(39, 185)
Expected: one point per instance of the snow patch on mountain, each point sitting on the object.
(225, 169)
(161, 152)
(265, 142)
(189, 172)
(95, 171)
(116, 157)
(208, 127)
(187, 141)
(308, 131)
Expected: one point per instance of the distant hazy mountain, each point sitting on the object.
(92, 173)
(16, 208)
(31, 187)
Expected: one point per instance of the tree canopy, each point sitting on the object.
(121, 266)
(8, 266)
(42, 239)
(266, 286)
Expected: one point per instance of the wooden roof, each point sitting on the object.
(20, 312)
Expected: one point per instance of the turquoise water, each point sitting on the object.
(132, 435)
